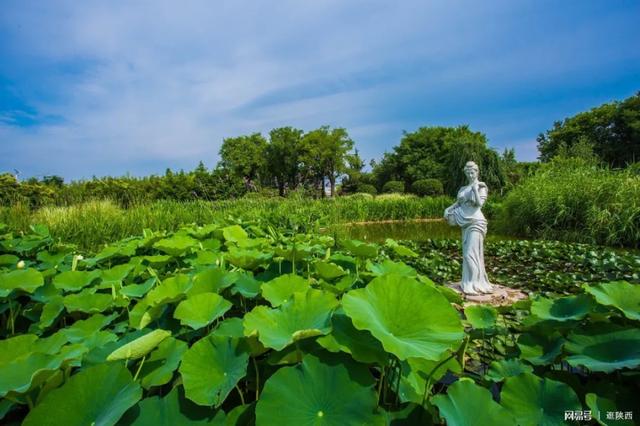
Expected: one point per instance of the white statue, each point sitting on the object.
(466, 213)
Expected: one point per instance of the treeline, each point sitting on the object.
(428, 161)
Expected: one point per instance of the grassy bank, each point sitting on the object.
(91, 224)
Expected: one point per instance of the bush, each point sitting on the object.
(571, 199)
(393, 186)
(367, 189)
(426, 187)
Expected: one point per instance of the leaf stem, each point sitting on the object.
(139, 368)
(255, 366)
(241, 394)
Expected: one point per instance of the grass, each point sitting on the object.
(92, 224)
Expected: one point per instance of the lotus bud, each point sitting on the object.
(20, 264)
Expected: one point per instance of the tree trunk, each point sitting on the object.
(322, 188)
(332, 181)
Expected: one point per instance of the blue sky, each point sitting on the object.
(114, 87)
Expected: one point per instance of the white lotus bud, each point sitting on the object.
(20, 264)
(79, 257)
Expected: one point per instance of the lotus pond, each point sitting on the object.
(240, 324)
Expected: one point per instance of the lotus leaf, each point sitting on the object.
(247, 259)
(389, 267)
(416, 372)
(621, 295)
(280, 290)
(481, 316)
(177, 245)
(201, 310)
(212, 280)
(88, 301)
(234, 233)
(305, 315)
(411, 319)
(83, 329)
(16, 347)
(535, 401)
(157, 260)
(359, 343)
(329, 271)
(469, 404)
(140, 346)
(242, 415)
(399, 249)
(158, 368)
(247, 286)
(360, 249)
(171, 290)
(138, 290)
(604, 347)
(27, 280)
(117, 273)
(75, 280)
(50, 312)
(212, 367)
(500, 370)
(562, 308)
(174, 410)
(9, 259)
(79, 402)
(538, 349)
(315, 393)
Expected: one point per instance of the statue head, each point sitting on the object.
(471, 170)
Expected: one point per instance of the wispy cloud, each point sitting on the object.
(113, 87)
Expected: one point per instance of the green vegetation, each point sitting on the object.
(611, 132)
(427, 187)
(91, 224)
(393, 187)
(574, 199)
(225, 323)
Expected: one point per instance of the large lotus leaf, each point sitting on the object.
(467, 404)
(177, 245)
(140, 346)
(314, 393)
(21, 279)
(538, 402)
(601, 406)
(539, 349)
(621, 295)
(360, 249)
(96, 396)
(604, 347)
(399, 249)
(500, 370)
(16, 347)
(212, 280)
(242, 415)
(88, 301)
(117, 273)
(138, 290)
(329, 271)
(234, 233)
(411, 319)
(74, 280)
(416, 372)
(305, 315)
(8, 259)
(344, 337)
(83, 329)
(562, 308)
(173, 410)
(280, 290)
(158, 368)
(50, 312)
(201, 310)
(481, 316)
(34, 368)
(171, 290)
(247, 286)
(389, 267)
(212, 367)
(247, 259)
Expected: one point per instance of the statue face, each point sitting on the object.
(471, 173)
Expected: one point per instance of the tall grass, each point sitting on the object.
(574, 200)
(93, 223)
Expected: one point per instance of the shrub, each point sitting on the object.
(393, 186)
(425, 187)
(367, 189)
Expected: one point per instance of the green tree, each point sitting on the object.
(244, 156)
(283, 157)
(612, 130)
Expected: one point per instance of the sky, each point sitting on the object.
(134, 87)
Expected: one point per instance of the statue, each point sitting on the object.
(466, 213)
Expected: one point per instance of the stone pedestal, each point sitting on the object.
(501, 295)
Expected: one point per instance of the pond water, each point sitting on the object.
(413, 230)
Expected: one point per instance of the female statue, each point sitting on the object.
(466, 212)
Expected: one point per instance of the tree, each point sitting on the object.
(244, 156)
(612, 130)
(283, 157)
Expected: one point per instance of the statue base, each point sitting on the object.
(500, 296)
